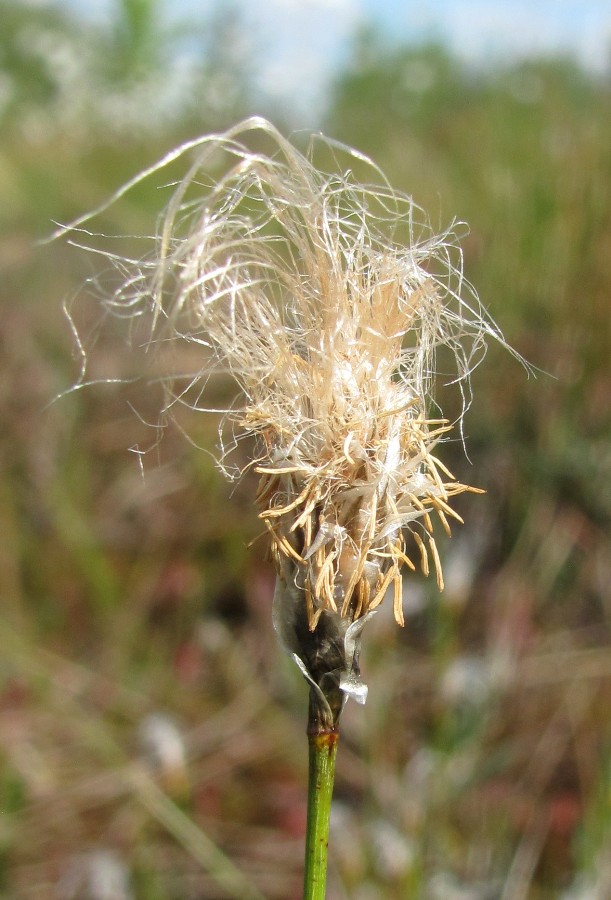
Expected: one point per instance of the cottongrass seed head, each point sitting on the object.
(328, 299)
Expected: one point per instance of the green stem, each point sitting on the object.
(323, 750)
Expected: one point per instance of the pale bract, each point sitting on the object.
(328, 298)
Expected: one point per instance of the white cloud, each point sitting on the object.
(300, 43)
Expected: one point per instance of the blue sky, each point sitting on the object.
(480, 27)
(304, 40)
(310, 36)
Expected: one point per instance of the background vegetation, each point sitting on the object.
(481, 766)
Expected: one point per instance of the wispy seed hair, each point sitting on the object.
(328, 298)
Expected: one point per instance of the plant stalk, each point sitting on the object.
(322, 742)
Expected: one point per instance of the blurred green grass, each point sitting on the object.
(480, 766)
